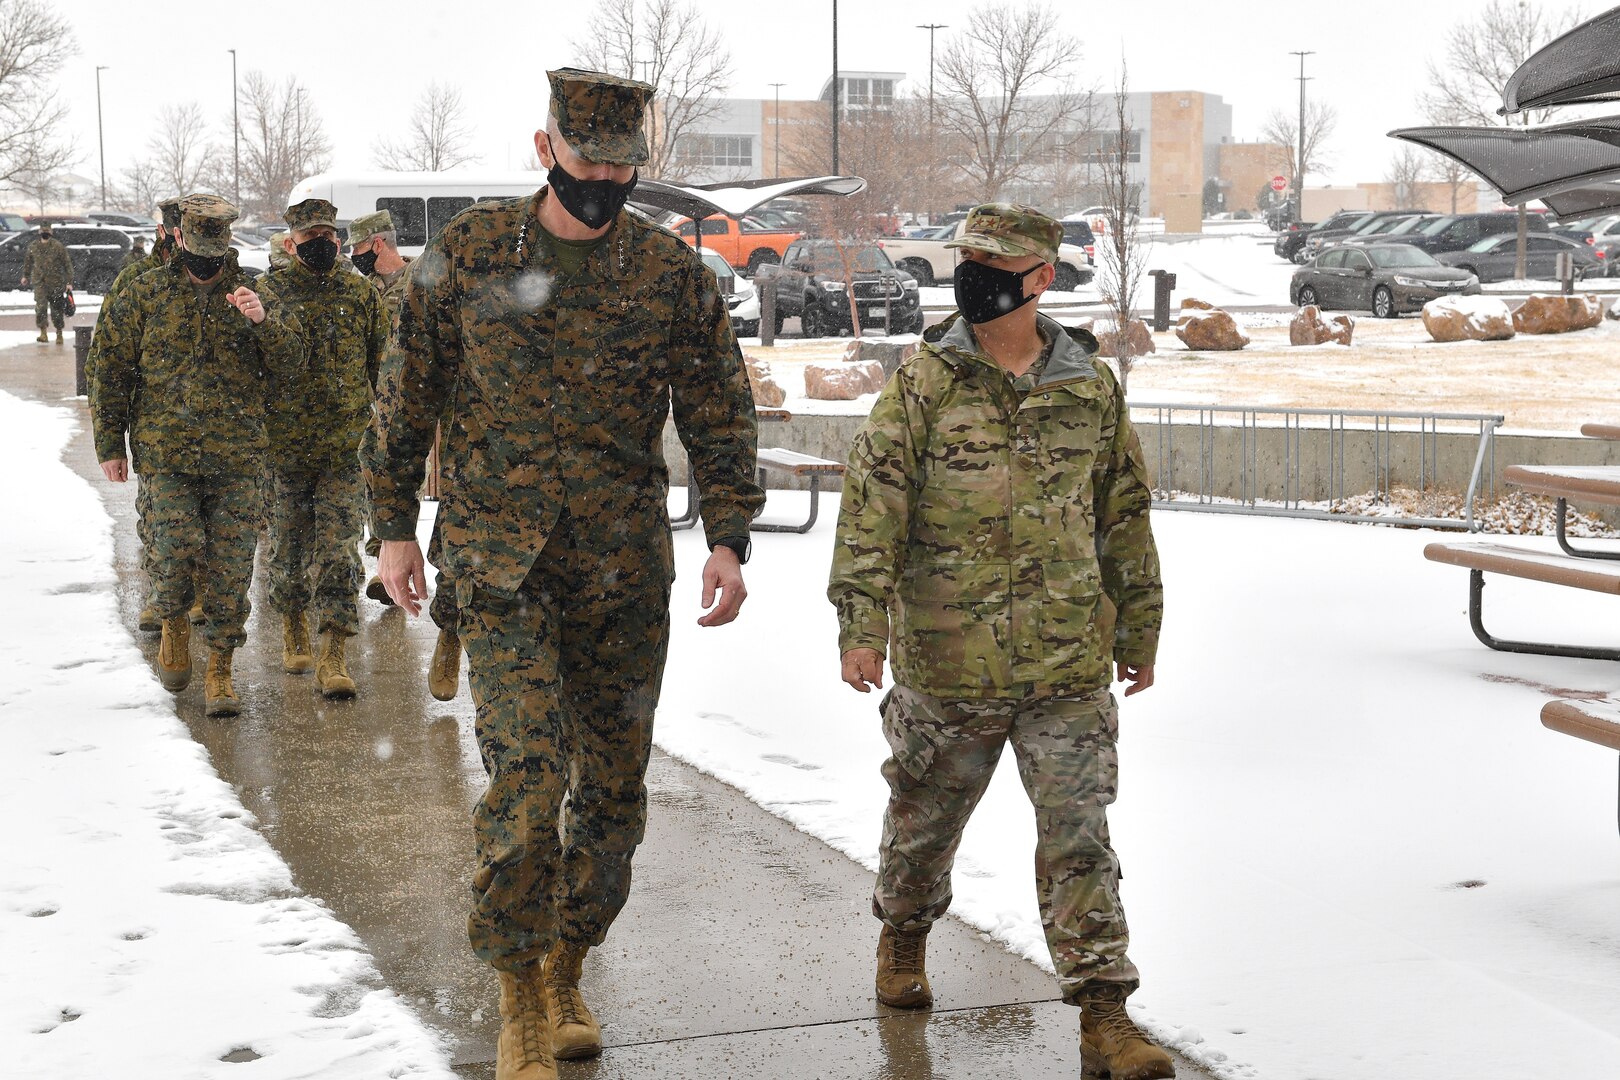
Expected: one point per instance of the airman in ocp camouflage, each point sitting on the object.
(559, 329)
(994, 531)
(187, 360)
(48, 268)
(315, 432)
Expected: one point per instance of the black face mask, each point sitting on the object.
(365, 263)
(593, 203)
(203, 267)
(319, 253)
(985, 293)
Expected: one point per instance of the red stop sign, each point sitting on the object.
(1279, 183)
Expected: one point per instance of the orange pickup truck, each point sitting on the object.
(747, 244)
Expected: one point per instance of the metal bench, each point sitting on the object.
(689, 517)
(776, 459)
(1592, 483)
(1577, 573)
(1601, 431)
(1595, 721)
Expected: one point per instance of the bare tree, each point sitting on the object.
(1282, 128)
(891, 148)
(180, 150)
(437, 138)
(1124, 257)
(34, 44)
(283, 141)
(1007, 93)
(1408, 170)
(665, 43)
(140, 188)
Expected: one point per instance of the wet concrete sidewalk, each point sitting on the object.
(746, 948)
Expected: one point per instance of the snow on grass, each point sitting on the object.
(148, 930)
(1351, 852)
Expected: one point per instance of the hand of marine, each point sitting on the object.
(403, 573)
(722, 575)
(247, 302)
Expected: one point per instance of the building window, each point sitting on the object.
(858, 92)
(1098, 148)
(882, 93)
(718, 151)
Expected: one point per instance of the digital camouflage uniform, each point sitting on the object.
(989, 525)
(554, 518)
(48, 268)
(189, 378)
(315, 430)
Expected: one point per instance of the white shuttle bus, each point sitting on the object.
(420, 202)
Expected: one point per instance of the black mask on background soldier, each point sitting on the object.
(202, 267)
(985, 292)
(593, 203)
(319, 253)
(365, 263)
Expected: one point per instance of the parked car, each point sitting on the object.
(1385, 280)
(12, 224)
(1319, 239)
(1393, 228)
(747, 243)
(128, 221)
(1454, 232)
(742, 299)
(927, 259)
(97, 251)
(1288, 244)
(1495, 258)
(810, 283)
(1078, 232)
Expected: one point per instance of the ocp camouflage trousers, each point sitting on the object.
(564, 723)
(203, 530)
(315, 547)
(943, 754)
(52, 299)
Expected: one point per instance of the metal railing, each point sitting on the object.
(1285, 458)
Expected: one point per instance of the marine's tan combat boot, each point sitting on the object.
(331, 671)
(296, 655)
(1111, 1045)
(219, 695)
(523, 1050)
(902, 982)
(378, 592)
(148, 620)
(59, 335)
(444, 672)
(42, 338)
(174, 654)
(574, 1031)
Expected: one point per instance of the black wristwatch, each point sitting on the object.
(741, 545)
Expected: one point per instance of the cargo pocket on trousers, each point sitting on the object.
(909, 747)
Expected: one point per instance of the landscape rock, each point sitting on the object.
(1468, 318)
(891, 354)
(1543, 314)
(841, 381)
(1205, 328)
(767, 391)
(1138, 340)
(1585, 312)
(1310, 328)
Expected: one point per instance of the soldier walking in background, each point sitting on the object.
(187, 361)
(315, 432)
(137, 252)
(995, 514)
(558, 329)
(49, 268)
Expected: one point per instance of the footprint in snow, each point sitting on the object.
(784, 759)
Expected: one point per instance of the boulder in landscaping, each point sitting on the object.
(1205, 328)
(1468, 318)
(1310, 328)
(840, 381)
(1542, 314)
(1138, 340)
(767, 391)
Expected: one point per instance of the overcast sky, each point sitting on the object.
(364, 73)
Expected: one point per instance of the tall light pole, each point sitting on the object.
(776, 128)
(931, 27)
(236, 135)
(1299, 162)
(837, 89)
(101, 145)
(300, 135)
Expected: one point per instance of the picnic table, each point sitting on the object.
(690, 516)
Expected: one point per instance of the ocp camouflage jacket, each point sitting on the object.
(325, 406)
(990, 529)
(558, 391)
(190, 374)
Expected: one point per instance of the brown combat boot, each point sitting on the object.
(444, 672)
(574, 1031)
(42, 338)
(196, 613)
(1111, 1045)
(331, 671)
(174, 654)
(902, 982)
(523, 1050)
(296, 655)
(378, 592)
(59, 335)
(219, 695)
(148, 620)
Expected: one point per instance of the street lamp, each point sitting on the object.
(1299, 162)
(236, 135)
(837, 90)
(101, 145)
(776, 128)
(931, 27)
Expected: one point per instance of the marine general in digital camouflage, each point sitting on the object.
(316, 428)
(558, 361)
(992, 522)
(48, 269)
(187, 375)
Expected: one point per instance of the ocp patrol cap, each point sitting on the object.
(1010, 229)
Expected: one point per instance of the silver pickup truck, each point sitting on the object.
(927, 259)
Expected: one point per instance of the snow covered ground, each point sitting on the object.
(1351, 851)
(148, 931)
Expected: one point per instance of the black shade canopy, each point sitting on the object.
(1530, 163)
(1584, 201)
(737, 199)
(1581, 67)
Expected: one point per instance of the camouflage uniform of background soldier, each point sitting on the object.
(137, 252)
(164, 249)
(49, 268)
(182, 366)
(315, 432)
(989, 523)
(557, 362)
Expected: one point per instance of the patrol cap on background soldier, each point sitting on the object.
(278, 251)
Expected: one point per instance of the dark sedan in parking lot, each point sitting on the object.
(1384, 280)
(1494, 258)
